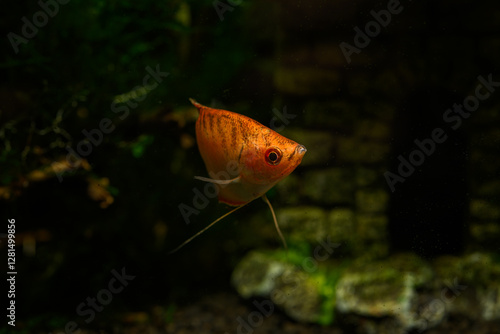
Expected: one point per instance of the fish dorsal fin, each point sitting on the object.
(196, 104)
(264, 197)
(222, 182)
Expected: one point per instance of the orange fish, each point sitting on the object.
(243, 158)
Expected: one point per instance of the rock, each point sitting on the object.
(371, 200)
(298, 295)
(420, 270)
(301, 285)
(483, 209)
(329, 186)
(376, 291)
(381, 83)
(341, 227)
(385, 288)
(485, 235)
(303, 222)
(395, 295)
(380, 109)
(255, 275)
(471, 284)
(372, 129)
(359, 84)
(484, 162)
(371, 236)
(489, 301)
(319, 145)
(489, 138)
(491, 188)
(367, 176)
(355, 150)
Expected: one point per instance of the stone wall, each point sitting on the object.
(351, 114)
(484, 176)
(348, 108)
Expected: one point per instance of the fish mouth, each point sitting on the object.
(300, 149)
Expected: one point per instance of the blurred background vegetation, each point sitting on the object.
(115, 210)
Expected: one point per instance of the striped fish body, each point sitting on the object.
(236, 147)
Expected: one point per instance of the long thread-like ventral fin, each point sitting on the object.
(206, 228)
(264, 197)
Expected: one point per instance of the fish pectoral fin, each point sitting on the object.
(206, 179)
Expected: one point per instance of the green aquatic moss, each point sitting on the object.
(296, 253)
(304, 287)
(327, 278)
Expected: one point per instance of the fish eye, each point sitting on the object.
(273, 156)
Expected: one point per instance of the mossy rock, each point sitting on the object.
(483, 209)
(484, 234)
(298, 295)
(356, 150)
(341, 227)
(385, 288)
(380, 293)
(329, 186)
(473, 279)
(416, 266)
(255, 275)
(370, 238)
(367, 176)
(373, 129)
(303, 286)
(372, 200)
(303, 222)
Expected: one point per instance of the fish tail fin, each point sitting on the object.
(204, 229)
(264, 197)
(196, 104)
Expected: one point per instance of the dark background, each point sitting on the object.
(65, 78)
